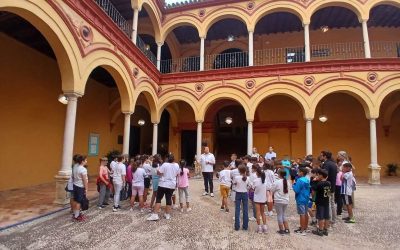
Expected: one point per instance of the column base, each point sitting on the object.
(374, 174)
(61, 195)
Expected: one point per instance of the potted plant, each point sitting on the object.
(392, 169)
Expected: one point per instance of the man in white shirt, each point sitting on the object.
(207, 161)
(255, 154)
(118, 181)
(270, 154)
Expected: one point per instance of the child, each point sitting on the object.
(311, 203)
(252, 178)
(147, 168)
(348, 187)
(281, 199)
(241, 198)
(302, 189)
(154, 178)
(225, 184)
(137, 184)
(269, 179)
(260, 198)
(183, 185)
(322, 190)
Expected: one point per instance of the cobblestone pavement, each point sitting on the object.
(205, 227)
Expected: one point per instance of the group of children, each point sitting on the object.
(267, 183)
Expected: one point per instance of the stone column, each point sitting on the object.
(155, 139)
(199, 139)
(251, 50)
(367, 49)
(309, 136)
(202, 53)
(127, 129)
(159, 44)
(249, 137)
(135, 24)
(68, 145)
(307, 49)
(374, 177)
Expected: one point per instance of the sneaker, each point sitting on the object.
(252, 219)
(105, 204)
(259, 229)
(302, 233)
(115, 209)
(227, 210)
(212, 194)
(318, 232)
(222, 209)
(350, 221)
(80, 218)
(265, 228)
(142, 210)
(153, 217)
(131, 209)
(181, 210)
(167, 216)
(325, 232)
(346, 218)
(287, 231)
(281, 232)
(313, 223)
(270, 213)
(101, 207)
(189, 209)
(205, 193)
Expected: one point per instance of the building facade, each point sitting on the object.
(142, 77)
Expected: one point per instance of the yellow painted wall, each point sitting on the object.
(32, 123)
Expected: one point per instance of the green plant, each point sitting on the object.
(392, 169)
(111, 155)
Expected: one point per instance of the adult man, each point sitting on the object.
(233, 159)
(270, 154)
(255, 154)
(207, 161)
(330, 166)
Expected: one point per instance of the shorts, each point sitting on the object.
(322, 212)
(224, 191)
(301, 209)
(168, 195)
(155, 182)
(79, 194)
(147, 182)
(310, 203)
(347, 199)
(137, 190)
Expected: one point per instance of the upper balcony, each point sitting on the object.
(273, 36)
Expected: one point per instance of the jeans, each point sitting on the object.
(182, 192)
(117, 193)
(104, 194)
(208, 181)
(339, 201)
(332, 209)
(281, 212)
(242, 199)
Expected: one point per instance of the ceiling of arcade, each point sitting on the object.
(306, 83)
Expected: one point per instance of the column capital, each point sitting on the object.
(127, 112)
(199, 121)
(159, 44)
(251, 31)
(364, 20)
(373, 118)
(72, 94)
(309, 119)
(250, 120)
(155, 123)
(203, 37)
(306, 23)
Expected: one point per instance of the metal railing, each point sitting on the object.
(279, 56)
(385, 49)
(125, 26)
(187, 64)
(334, 51)
(226, 60)
(146, 50)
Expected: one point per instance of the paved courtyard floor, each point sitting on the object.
(205, 227)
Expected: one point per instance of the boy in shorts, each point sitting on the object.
(348, 187)
(302, 190)
(225, 185)
(322, 191)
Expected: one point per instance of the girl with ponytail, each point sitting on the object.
(280, 190)
(260, 198)
(241, 183)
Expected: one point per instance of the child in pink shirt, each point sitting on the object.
(183, 185)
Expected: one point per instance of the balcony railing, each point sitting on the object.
(125, 26)
(318, 52)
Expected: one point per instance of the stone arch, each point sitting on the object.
(115, 68)
(182, 20)
(174, 97)
(295, 94)
(352, 5)
(151, 97)
(155, 19)
(224, 93)
(373, 3)
(224, 14)
(388, 113)
(280, 6)
(386, 89)
(362, 94)
(57, 34)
